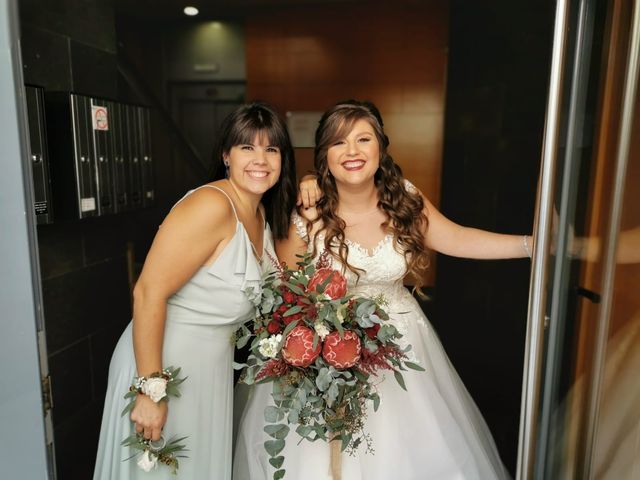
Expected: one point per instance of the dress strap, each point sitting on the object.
(233, 206)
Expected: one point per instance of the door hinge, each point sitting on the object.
(47, 397)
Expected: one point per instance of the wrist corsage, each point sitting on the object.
(158, 386)
(154, 452)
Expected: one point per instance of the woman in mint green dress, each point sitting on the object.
(189, 299)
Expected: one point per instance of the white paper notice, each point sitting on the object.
(87, 204)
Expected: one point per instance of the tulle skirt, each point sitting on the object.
(431, 431)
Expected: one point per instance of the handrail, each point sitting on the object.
(542, 231)
(135, 80)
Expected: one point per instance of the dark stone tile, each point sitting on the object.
(45, 59)
(94, 71)
(88, 21)
(102, 345)
(105, 238)
(60, 249)
(70, 371)
(76, 442)
(85, 301)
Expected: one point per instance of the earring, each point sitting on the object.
(226, 170)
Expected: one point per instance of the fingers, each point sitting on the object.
(139, 428)
(155, 434)
(308, 197)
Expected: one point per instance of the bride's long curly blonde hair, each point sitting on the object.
(403, 209)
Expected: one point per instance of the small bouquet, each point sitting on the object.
(158, 386)
(320, 347)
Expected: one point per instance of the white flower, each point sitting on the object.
(148, 461)
(321, 329)
(156, 388)
(269, 347)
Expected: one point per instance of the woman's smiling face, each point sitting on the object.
(254, 167)
(355, 158)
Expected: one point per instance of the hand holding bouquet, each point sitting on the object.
(320, 347)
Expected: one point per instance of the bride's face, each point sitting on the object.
(354, 159)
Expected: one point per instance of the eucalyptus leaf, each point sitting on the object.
(242, 341)
(288, 328)
(279, 475)
(272, 414)
(294, 416)
(276, 462)
(324, 379)
(304, 430)
(414, 366)
(278, 432)
(400, 379)
(376, 401)
(274, 447)
(292, 311)
(346, 440)
(294, 288)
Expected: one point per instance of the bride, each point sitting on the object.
(378, 228)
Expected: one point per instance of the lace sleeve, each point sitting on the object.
(300, 223)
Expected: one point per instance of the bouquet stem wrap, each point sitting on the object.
(336, 459)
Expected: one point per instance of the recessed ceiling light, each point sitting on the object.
(191, 11)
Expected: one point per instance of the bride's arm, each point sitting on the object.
(448, 237)
(297, 240)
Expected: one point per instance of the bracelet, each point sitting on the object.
(525, 245)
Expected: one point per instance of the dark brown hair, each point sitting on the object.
(403, 208)
(241, 127)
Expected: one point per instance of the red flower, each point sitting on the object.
(298, 347)
(372, 331)
(288, 296)
(291, 318)
(273, 368)
(274, 327)
(342, 352)
(337, 286)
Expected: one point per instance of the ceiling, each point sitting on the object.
(171, 10)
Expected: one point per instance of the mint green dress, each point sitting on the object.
(201, 318)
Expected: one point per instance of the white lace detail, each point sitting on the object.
(410, 187)
(384, 268)
(301, 227)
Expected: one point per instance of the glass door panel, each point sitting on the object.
(581, 404)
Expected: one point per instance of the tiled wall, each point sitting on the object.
(86, 307)
(496, 94)
(70, 46)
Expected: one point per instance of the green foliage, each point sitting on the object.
(318, 402)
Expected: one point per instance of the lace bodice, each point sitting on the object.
(382, 269)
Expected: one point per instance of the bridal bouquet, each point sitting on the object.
(320, 348)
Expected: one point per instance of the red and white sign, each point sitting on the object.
(99, 117)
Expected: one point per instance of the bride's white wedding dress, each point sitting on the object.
(432, 431)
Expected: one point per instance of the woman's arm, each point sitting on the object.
(447, 237)
(297, 241)
(189, 236)
(308, 192)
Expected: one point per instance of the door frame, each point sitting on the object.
(23, 433)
